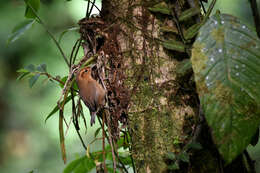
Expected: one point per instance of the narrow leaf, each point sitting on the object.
(174, 45)
(33, 80)
(184, 66)
(56, 108)
(22, 70)
(22, 75)
(161, 8)
(42, 68)
(64, 79)
(19, 30)
(192, 31)
(67, 30)
(169, 29)
(62, 139)
(187, 14)
(30, 68)
(35, 4)
(97, 131)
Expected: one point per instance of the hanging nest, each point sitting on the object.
(101, 40)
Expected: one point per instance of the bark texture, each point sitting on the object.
(160, 105)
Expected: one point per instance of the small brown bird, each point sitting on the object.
(90, 91)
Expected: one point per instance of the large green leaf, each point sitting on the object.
(83, 164)
(226, 63)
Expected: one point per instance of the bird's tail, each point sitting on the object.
(93, 117)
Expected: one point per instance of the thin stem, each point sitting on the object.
(77, 50)
(256, 16)
(103, 143)
(72, 52)
(130, 149)
(119, 160)
(50, 34)
(93, 4)
(211, 6)
(204, 10)
(87, 13)
(74, 120)
(111, 142)
(250, 162)
(176, 21)
(92, 7)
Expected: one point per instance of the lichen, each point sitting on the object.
(198, 58)
(218, 35)
(223, 94)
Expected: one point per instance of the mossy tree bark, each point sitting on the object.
(162, 107)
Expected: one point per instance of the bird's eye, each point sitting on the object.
(86, 70)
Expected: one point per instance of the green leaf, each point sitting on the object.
(33, 80)
(64, 79)
(169, 29)
(67, 30)
(187, 14)
(22, 70)
(83, 164)
(56, 108)
(174, 45)
(126, 160)
(193, 145)
(192, 31)
(161, 8)
(35, 4)
(184, 157)
(226, 61)
(22, 75)
(174, 166)
(42, 68)
(171, 156)
(30, 68)
(97, 131)
(184, 66)
(19, 30)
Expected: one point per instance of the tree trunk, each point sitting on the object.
(162, 107)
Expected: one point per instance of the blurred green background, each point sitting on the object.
(26, 141)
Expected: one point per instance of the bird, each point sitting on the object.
(90, 91)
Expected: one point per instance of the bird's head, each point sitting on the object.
(84, 73)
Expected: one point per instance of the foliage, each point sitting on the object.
(226, 60)
(183, 156)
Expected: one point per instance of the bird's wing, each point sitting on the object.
(89, 98)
